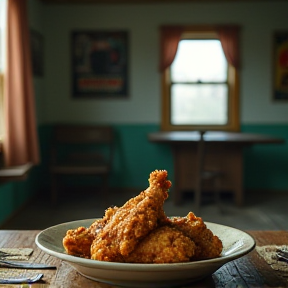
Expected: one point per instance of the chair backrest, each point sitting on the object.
(81, 142)
(86, 134)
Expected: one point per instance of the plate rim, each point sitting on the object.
(140, 266)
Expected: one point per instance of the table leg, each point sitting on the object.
(238, 180)
(176, 190)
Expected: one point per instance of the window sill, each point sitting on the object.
(16, 173)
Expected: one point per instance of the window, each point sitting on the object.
(200, 87)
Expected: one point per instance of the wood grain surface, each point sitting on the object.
(250, 270)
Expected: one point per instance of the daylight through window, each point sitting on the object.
(200, 87)
(199, 84)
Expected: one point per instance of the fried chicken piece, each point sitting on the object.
(163, 245)
(133, 221)
(208, 245)
(99, 224)
(78, 241)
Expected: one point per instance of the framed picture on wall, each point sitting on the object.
(100, 64)
(37, 47)
(280, 59)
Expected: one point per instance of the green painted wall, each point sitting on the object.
(13, 195)
(265, 166)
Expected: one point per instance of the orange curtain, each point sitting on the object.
(171, 35)
(229, 38)
(20, 143)
(169, 40)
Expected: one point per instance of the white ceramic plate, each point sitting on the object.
(236, 243)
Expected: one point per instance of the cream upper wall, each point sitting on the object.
(142, 21)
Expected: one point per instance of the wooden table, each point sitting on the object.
(250, 270)
(224, 152)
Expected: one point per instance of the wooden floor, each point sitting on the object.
(262, 211)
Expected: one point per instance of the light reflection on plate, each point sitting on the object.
(236, 243)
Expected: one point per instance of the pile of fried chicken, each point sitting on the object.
(140, 232)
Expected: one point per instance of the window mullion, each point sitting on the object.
(198, 83)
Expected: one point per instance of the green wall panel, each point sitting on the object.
(13, 195)
(136, 157)
(265, 165)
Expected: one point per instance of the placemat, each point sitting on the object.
(11, 273)
(17, 253)
(268, 253)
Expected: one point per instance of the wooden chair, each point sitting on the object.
(78, 150)
(202, 175)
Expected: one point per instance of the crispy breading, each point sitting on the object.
(133, 221)
(163, 245)
(208, 245)
(140, 232)
(99, 224)
(78, 241)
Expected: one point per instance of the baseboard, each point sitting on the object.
(265, 191)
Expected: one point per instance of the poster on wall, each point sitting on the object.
(280, 66)
(100, 64)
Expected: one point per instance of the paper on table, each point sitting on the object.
(19, 253)
(34, 285)
(269, 254)
(8, 273)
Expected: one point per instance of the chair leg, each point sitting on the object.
(217, 185)
(197, 195)
(105, 190)
(177, 195)
(54, 193)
